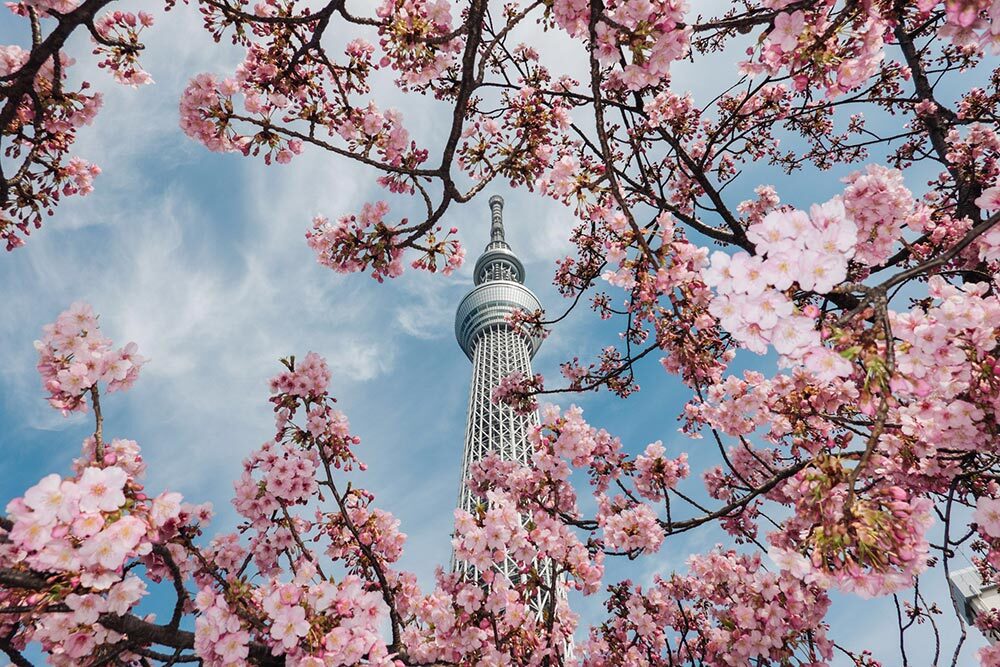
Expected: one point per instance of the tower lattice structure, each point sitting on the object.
(496, 350)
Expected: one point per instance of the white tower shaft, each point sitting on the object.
(492, 427)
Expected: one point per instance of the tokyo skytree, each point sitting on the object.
(496, 350)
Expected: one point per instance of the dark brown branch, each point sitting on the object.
(24, 78)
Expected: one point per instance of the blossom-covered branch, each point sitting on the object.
(40, 117)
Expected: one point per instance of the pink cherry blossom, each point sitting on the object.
(101, 489)
(787, 28)
(987, 516)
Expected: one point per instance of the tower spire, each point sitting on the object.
(496, 219)
(498, 261)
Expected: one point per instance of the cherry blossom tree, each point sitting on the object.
(860, 465)
(40, 112)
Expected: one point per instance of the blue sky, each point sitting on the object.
(200, 258)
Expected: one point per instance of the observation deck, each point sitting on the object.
(499, 291)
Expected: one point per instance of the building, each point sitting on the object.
(972, 597)
(496, 350)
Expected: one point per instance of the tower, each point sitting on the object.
(496, 350)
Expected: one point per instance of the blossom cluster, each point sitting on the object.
(219, 636)
(989, 243)
(542, 492)
(309, 378)
(78, 177)
(986, 522)
(297, 615)
(313, 620)
(653, 31)
(989, 656)
(655, 474)
(880, 205)
(377, 530)
(668, 301)
(119, 46)
(936, 339)
(238, 113)
(86, 532)
(282, 475)
(870, 542)
(800, 43)
(89, 531)
(355, 243)
(413, 38)
(43, 112)
(201, 93)
(969, 23)
(517, 391)
(435, 247)
(47, 171)
(529, 138)
(73, 357)
(810, 250)
(288, 479)
(738, 406)
(62, 525)
(868, 534)
(304, 387)
(946, 383)
(728, 610)
(629, 526)
(490, 621)
(494, 537)
(987, 517)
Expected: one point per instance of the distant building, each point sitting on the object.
(974, 598)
